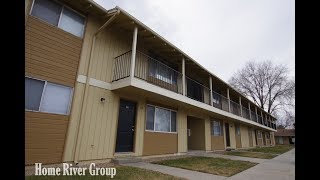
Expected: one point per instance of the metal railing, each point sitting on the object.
(157, 73)
(197, 91)
(245, 113)
(160, 74)
(235, 108)
(121, 68)
(219, 101)
(254, 116)
(259, 119)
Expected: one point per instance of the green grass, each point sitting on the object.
(123, 172)
(217, 166)
(251, 154)
(278, 149)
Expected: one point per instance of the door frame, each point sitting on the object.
(135, 126)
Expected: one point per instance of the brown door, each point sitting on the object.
(264, 138)
(250, 137)
(238, 136)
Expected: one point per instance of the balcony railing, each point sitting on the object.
(254, 116)
(197, 91)
(235, 108)
(157, 73)
(220, 101)
(162, 75)
(259, 119)
(245, 113)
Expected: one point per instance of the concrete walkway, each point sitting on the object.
(204, 154)
(192, 175)
(281, 167)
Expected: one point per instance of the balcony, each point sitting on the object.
(159, 73)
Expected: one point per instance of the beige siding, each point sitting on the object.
(254, 138)
(140, 127)
(182, 130)
(109, 44)
(44, 137)
(99, 124)
(74, 122)
(232, 135)
(207, 134)
(27, 7)
(51, 53)
(244, 136)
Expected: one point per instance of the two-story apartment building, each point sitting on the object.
(99, 83)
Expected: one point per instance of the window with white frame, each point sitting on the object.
(216, 128)
(48, 97)
(59, 15)
(160, 119)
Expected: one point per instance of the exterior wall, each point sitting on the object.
(197, 139)
(160, 143)
(244, 136)
(109, 44)
(51, 53)
(97, 133)
(182, 131)
(238, 138)
(218, 142)
(207, 132)
(285, 140)
(44, 137)
(232, 135)
(254, 138)
(272, 138)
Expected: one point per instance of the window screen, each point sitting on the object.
(33, 92)
(72, 22)
(162, 121)
(56, 99)
(150, 118)
(46, 10)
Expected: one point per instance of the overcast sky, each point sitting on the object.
(221, 34)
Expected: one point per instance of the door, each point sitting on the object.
(250, 137)
(227, 134)
(126, 122)
(264, 138)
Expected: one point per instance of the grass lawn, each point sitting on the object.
(278, 149)
(123, 172)
(217, 166)
(251, 154)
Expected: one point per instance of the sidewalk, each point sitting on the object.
(204, 154)
(280, 167)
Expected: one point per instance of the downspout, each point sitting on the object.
(76, 153)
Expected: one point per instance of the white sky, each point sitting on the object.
(221, 34)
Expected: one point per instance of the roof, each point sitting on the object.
(285, 132)
(137, 22)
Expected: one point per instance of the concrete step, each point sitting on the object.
(125, 160)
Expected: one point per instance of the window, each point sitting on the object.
(59, 15)
(259, 134)
(216, 128)
(268, 135)
(160, 119)
(44, 96)
(237, 129)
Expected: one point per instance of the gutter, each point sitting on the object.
(85, 96)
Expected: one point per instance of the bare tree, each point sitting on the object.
(266, 84)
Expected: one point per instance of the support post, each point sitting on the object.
(228, 96)
(133, 52)
(183, 77)
(211, 92)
